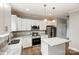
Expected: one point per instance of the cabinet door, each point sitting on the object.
(1, 20)
(35, 22)
(27, 42)
(24, 24)
(5, 15)
(28, 24)
(43, 25)
(19, 24)
(49, 23)
(13, 23)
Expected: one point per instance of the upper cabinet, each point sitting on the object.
(5, 18)
(20, 24)
(13, 23)
(1, 19)
(42, 25)
(24, 24)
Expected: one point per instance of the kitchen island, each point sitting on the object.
(53, 46)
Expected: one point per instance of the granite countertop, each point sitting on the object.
(55, 41)
(3, 37)
(3, 42)
(14, 49)
(4, 34)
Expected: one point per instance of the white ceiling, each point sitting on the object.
(61, 9)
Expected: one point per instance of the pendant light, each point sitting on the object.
(45, 19)
(53, 15)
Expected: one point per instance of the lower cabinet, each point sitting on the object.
(27, 42)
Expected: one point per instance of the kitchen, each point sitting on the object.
(34, 32)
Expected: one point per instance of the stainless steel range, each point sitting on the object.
(36, 40)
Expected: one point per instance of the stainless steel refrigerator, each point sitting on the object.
(51, 31)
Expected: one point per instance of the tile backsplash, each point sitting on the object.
(26, 33)
(17, 34)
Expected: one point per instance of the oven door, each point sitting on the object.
(36, 41)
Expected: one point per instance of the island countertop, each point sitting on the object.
(55, 41)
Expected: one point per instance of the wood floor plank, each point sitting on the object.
(34, 50)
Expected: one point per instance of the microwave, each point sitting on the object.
(34, 27)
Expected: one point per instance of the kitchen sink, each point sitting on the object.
(14, 42)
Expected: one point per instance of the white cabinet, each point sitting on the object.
(43, 25)
(5, 15)
(24, 24)
(27, 42)
(36, 22)
(52, 50)
(13, 23)
(49, 23)
(29, 22)
(1, 19)
(19, 24)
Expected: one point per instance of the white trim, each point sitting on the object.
(74, 49)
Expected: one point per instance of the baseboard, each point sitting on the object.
(74, 49)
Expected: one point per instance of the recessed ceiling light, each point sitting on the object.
(27, 9)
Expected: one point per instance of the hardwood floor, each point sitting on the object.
(72, 52)
(36, 50)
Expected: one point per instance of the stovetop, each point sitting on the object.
(36, 36)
